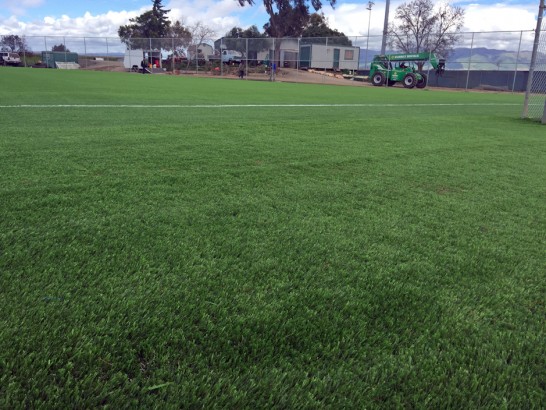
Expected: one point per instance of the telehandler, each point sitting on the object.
(392, 68)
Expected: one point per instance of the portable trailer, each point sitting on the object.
(133, 58)
(329, 57)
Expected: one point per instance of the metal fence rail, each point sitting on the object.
(496, 60)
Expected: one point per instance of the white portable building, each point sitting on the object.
(329, 57)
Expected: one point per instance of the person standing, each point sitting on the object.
(241, 70)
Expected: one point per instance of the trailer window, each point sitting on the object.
(349, 54)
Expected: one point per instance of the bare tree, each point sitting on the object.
(199, 32)
(420, 26)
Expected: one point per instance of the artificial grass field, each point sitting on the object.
(384, 250)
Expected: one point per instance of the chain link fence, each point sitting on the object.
(534, 106)
(486, 60)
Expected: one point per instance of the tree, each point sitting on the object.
(275, 7)
(181, 38)
(421, 27)
(199, 32)
(14, 44)
(251, 32)
(288, 21)
(249, 41)
(152, 24)
(317, 28)
(61, 48)
(287, 18)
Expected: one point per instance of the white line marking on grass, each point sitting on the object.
(252, 105)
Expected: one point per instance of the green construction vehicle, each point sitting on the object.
(392, 68)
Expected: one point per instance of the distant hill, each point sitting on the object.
(489, 59)
(480, 59)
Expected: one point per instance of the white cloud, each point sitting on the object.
(86, 25)
(221, 15)
(352, 19)
(499, 17)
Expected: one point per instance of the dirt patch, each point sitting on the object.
(102, 65)
(316, 77)
(286, 75)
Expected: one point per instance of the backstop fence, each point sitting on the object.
(534, 105)
(497, 60)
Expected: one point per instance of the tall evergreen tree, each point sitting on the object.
(317, 29)
(152, 24)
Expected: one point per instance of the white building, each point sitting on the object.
(329, 57)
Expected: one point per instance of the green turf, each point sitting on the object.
(378, 256)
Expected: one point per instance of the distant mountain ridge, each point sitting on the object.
(480, 58)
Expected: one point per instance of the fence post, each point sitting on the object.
(525, 113)
(107, 51)
(298, 55)
(469, 62)
(325, 61)
(517, 60)
(24, 52)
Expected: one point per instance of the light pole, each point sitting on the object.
(385, 27)
(369, 8)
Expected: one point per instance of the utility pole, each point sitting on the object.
(369, 8)
(385, 27)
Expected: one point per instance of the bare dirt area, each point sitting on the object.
(316, 77)
(287, 75)
(102, 65)
(283, 75)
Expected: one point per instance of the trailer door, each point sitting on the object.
(305, 57)
(336, 59)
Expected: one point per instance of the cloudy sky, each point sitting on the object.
(103, 17)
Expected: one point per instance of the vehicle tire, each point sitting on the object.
(378, 79)
(422, 83)
(410, 80)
